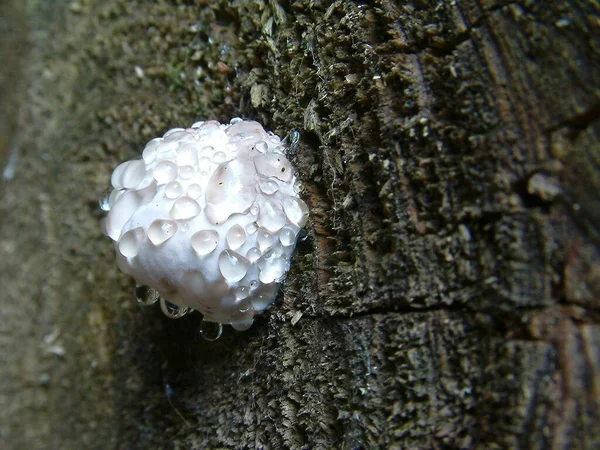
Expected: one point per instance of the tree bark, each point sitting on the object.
(448, 292)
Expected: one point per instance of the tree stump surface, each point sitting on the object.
(448, 292)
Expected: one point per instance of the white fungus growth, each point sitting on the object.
(207, 220)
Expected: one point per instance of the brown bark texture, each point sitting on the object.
(447, 294)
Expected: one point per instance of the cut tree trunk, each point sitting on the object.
(448, 292)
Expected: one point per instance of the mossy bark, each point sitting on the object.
(448, 292)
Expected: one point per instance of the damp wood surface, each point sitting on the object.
(447, 294)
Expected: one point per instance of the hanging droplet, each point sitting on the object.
(265, 239)
(236, 237)
(173, 190)
(268, 187)
(273, 271)
(171, 310)
(185, 208)
(211, 331)
(243, 324)
(296, 211)
(205, 241)
(130, 243)
(160, 231)
(233, 266)
(146, 295)
(287, 236)
(165, 172)
(105, 201)
(271, 216)
(253, 254)
(261, 146)
(194, 190)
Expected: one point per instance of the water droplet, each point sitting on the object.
(233, 266)
(207, 151)
(171, 310)
(105, 201)
(254, 210)
(146, 295)
(160, 231)
(253, 284)
(149, 153)
(187, 156)
(172, 131)
(236, 237)
(264, 296)
(205, 241)
(296, 211)
(194, 190)
(251, 228)
(297, 186)
(165, 172)
(274, 165)
(292, 140)
(125, 207)
(130, 243)
(287, 236)
(243, 324)
(271, 216)
(219, 157)
(275, 139)
(261, 146)
(268, 187)
(265, 239)
(273, 270)
(173, 190)
(197, 124)
(236, 120)
(253, 254)
(185, 208)
(211, 331)
(187, 172)
(242, 292)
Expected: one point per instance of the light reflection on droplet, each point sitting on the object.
(210, 331)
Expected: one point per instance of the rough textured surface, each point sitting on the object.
(447, 295)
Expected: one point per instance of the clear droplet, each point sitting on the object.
(265, 239)
(253, 284)
(236, 237)
(251, 228)
(233, 266)
(296, 211)
(243, 324)
(275, 139)
(171, 310)
(105, 201)
(187, 172)
(274, 165)
(261, 146)
(160, 231)
(268, 187)
(236, 120)
(287, 236)
(253, 254)
(210, 331)
(130, 243)
(273, 271)
(242, 292)
(171, 132)
(219, 157)
(205, 241)
(194, 190)
(297, 186)
(271, 216)
(254, 210)
(207, 151)
(187, 155)
(185, 208)
(146, 295)
(264, 296)
(173, 190)
(165, 172)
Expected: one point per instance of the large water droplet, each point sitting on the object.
(251, 228)
(236, 237)
(261, 146)
(242, 292)
(230, 190)
(287, 236)
(211, 331)
(268, 187)
(185, 208)
(165, 172)
(265, 239)
(173, 190)
(187, 155)
(233, 266)
(125, 207)
(274, 165)
(194, 190)
(160, 231)
(236, 120)
(172, 132)
(130, 243)
(296, 211)
(105, 201)
(146, 295)
(253, 254)
(264, 296)
(219, 157)
(271, 216)
(273, 270)
(243, 323)
(171, 310)
(205, 241)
